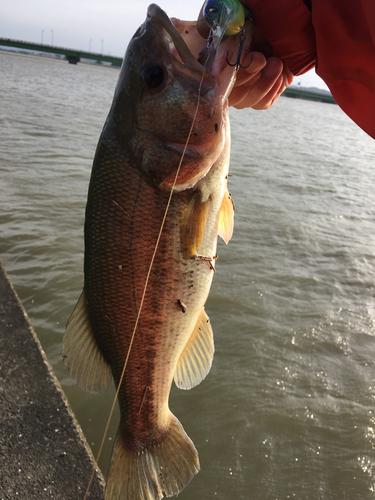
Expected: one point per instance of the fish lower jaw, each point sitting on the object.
(205, 155)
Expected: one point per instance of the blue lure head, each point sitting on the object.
(226, 17)
(218, 15)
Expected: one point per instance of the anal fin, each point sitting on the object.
(82, 356)
(196, 359)
(226, 218)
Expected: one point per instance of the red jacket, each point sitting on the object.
(337, 37)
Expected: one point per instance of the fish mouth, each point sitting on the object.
(209, 64)
(175, 42)
(189, 48)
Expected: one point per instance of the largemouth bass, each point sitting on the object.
(133, 173)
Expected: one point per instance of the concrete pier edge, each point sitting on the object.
(43, 452)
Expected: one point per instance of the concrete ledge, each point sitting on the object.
(43, 453)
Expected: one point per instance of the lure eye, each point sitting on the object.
(211, 11)
(153, 76)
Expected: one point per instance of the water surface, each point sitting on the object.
(287, 410)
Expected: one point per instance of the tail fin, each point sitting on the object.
(161, 470)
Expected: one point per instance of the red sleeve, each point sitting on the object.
(345, 39)
(288, 26)
(338, 37)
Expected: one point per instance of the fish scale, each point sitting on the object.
(146, 207)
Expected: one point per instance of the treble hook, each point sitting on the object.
(238, 62)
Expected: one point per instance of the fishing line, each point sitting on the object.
(148, 277)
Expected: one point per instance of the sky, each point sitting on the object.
(97, 25)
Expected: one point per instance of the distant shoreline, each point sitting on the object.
(56, 56)
(309, 93)
(294, 91)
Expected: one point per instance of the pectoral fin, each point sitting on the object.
(81, 353)
(226, 218)
(196, 359)
(192, 225)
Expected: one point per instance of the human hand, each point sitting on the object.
(260, 85)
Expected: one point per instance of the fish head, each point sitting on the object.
(164, 96)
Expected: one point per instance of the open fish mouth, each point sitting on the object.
(185, 46)
(189, 47)
(173, 39)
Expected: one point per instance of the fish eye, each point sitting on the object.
(153, 76)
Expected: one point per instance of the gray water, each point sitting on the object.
(287, 410)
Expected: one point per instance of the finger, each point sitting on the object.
(285, 79)
(271, 97)
(254, 92)
(246, 79)
(244, 75)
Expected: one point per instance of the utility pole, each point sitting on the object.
(52, 38)
(42, 36)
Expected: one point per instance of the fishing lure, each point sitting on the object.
(226, 17)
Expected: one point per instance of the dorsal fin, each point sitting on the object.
(226, 218)
(196, 359)
(82, 356)
(192, 225)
